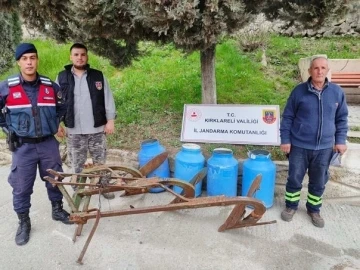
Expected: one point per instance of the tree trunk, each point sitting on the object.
(208, 80)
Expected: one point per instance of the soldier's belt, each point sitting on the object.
(33, 140)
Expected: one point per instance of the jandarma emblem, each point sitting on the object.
(98, 85)
(269, 116)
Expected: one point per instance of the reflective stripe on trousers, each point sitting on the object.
(316, 164)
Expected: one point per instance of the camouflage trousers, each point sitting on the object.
(78, 146)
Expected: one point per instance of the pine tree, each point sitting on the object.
(10, 30)
(113, 28)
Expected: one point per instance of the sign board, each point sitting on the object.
(235, 124)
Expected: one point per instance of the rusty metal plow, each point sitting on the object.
(138, 185)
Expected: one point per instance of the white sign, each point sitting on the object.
(235, 124)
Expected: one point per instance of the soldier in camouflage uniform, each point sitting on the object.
(90, 113)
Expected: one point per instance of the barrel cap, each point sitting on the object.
(148, 141)
(253, 154)
(223, 151)
(191, 146)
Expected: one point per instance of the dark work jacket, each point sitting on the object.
(95, 80)
(315, 120)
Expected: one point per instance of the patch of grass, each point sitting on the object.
(53, 57)
(151, 93)
(355, 128)
(283, 54)
(158, 84)
(353, 140)
(241, 80)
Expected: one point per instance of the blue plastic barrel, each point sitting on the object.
(150, 149)
(222, 173)
(188, 162)
(259, 162)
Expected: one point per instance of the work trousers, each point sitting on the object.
(316, 164)
(78, 146)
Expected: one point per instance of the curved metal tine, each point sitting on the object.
(188, 189)
(236, 218)
(85, 205)
(182, 198)
(113, 173)
(239, 211)
(154, 163)
(198, 177)
(236, 214)
(140, 186)
(254, 186)
(95, 168)
(134, 172)
(82, 254)
(248, 224)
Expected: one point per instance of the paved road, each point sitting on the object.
(186, 239)
(354, 116)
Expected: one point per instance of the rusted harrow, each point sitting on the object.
(105, 179)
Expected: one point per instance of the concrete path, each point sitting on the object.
(354, 116)
(351, 158)
(186, 239)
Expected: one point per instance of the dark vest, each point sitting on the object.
(28, 121)
(95, 81)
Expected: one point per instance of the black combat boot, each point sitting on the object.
(58, 213)
(23, 232)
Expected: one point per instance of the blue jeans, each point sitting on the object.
(316, 164)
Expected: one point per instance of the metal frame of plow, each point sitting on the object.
(140, 185)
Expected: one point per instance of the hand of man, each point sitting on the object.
(285, 148)
(61, 132)
(109, 127)
(341, 148)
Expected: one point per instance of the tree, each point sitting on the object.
(113, 28)
(10, 29)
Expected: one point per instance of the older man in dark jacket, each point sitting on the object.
(314, 125)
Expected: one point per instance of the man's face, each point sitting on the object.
(28, 64)
(319, 70)
(79, 58)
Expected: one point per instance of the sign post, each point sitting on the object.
(234, 124)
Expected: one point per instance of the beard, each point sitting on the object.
(82, 67)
